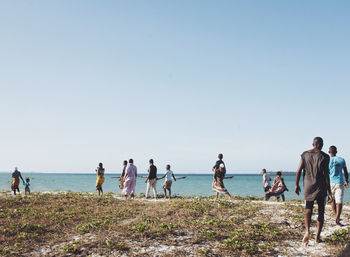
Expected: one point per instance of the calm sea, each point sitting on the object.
(193, 185)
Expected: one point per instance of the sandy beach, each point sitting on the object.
(83, 224)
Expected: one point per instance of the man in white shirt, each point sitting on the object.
(266, 181)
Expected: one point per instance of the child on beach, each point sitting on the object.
(26, 186)
(100, 172)
(169, 175)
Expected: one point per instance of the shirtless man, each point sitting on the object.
(315, 163)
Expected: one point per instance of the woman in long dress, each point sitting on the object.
(130, 180)
(100, 172)
(218, 183)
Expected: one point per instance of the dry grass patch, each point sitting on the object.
(82, 224)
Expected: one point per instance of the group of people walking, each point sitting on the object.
(127, 180)
(322, 177)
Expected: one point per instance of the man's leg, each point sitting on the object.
(217, 196)
(283, 197)
(169, 193)
(338, 199)
(334, 208)
(320, 219)
(165, 193)
(308, 214)
(339, 209)
(148, 188)
(154, 185)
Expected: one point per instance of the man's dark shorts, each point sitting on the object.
(267, 188)
(321, 202)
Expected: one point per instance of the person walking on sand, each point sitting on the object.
(169, 176)
(218, 181)
(336, 166)
(314, 163)
(100, 172)
(266, 181)
(16, 175)
(219, 170)
(151, 179)
(121, 180)
(130, 180)
(278, 188)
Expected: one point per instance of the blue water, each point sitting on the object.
(193, 185)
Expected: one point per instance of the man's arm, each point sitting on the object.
(174, 177)
(346, 174)
(161, 177)
(264, 180)
(328, 184)
(148, 175)
(301, 167)
(20, 175)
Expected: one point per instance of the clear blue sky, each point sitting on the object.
(177, 81)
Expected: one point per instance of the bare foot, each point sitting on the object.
(338, 223)
(306, 238)
(318, 240)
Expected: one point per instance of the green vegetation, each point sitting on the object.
(85, 224)
(339, 236)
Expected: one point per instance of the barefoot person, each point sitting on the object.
(121, 181)
(100, 172)
(130, 180)
(266, 181)
(151, 179)
(316, 185)
(26, 186)
(218, 181)
(278, 188)
(219, 170)
(336, 166)
(16, 175)
(169, 176)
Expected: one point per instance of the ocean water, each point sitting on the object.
(193, 185)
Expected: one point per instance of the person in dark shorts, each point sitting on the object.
(314, 163)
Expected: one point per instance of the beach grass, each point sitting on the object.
(83, 224)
